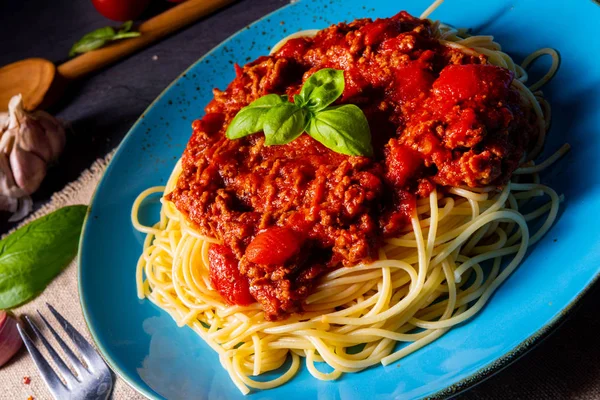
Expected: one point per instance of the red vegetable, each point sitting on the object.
(10, 341)
(120, 10)
(462, 82)
(226, 278)
(402, 163)
(410, 82)
(273, 246)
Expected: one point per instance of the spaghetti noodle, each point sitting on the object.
(460, 246)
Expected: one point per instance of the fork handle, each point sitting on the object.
(152, 30)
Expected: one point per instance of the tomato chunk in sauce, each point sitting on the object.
(287, 214)
(225, 276)
(273, 246)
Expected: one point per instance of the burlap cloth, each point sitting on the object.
(63, 294)
(551, 382)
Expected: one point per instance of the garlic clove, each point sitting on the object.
(12, 198)
(4, 121)
(15, 111)
(8, 186)
(28, 169)
(32, 138)
(55, 132)
(28, 141)
(7, 140)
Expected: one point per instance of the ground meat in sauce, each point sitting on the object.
(288, 213)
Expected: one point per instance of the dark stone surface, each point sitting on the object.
(102, 108)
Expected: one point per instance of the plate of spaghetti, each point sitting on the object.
(371, 200)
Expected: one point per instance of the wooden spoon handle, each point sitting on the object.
(151, 31)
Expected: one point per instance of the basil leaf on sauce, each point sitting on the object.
(322, 88)
(284, 123)
(343, 129)
(34, 254)
(250, 119)
(299, 101)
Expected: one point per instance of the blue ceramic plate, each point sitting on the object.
(144, 346)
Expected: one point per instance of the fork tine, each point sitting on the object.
(88, 353)
(60, 364)
(58, 390)
(75, 363)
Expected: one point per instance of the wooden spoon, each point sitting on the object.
(42, 84)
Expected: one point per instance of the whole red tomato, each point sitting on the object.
(120, 10)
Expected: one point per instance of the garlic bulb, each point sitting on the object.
(28, 143)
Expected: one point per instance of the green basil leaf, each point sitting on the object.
(344, 129)
(126, 27)
(125, 35)
(92, 41)
(98, 38)
(284, 123)
(322, 88)
(83, 46)
(250, 119)
(34, 254)
(299, 100)
(105, 33)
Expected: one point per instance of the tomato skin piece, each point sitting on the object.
(121, 10)
(294, 48)
(410, 82)
(226, 277)
(402, 163)
(380, 30)
(462, 82)
(273, 246)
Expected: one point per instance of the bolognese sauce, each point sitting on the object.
(286, 214)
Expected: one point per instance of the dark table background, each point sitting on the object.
(102, 108)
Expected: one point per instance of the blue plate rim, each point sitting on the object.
(487, 371)
(454, 389)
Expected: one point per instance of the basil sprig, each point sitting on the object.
(33, 255)
(343, 129)
(98, 38)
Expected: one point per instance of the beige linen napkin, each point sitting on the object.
(63, 294)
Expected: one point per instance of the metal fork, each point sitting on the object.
(91, 381)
